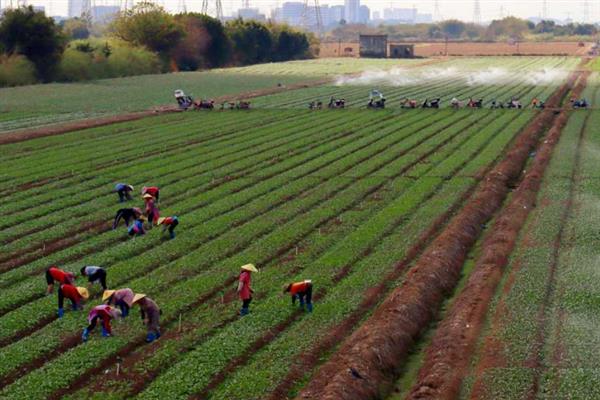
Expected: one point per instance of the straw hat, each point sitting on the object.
(249, 267)
(147, 196)
(83, 292)
(130, 187)
(160, 220)
(115, 312)
(138, 297)
(106, 295)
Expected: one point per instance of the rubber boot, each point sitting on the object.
(309, 307)
(150, 337)
(74, 307)
(85, 335)
(244, 311)
(105, 333)
(172, 235)
(61, 312)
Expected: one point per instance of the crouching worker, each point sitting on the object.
(122, 298)
(301, 291)
(77, 295)
(106, 314)
(124, 191)
(94, 274)
(55, 274)
(137, 227)
(169, 223)
(150, 315)
(244, 289)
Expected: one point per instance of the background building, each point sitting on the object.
(352, 11)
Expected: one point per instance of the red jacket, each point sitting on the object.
(299, 287)
(152, 190)
(61, 276)
(246, 292)
(70, 292)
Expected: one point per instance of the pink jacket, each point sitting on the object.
(125, 295)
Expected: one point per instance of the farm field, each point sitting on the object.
(36, 105)
(389, 212)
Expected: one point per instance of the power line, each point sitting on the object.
(308, 13)
(544, 10)
(586, 12)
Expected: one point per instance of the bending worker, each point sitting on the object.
(127, 214)
(244, 289)
(94, 274)
(122, 298)
(55, 274)
(137, 227)
(301, 291)
(170, 223)
(104, 312)
(152, 191)
(76, 294)
(151, 209)
(124, 191)
(150, 315)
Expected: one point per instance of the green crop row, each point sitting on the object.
(277, 236)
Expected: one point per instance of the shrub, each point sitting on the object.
(16, 71)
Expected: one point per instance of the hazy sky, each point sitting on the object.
(461, 9)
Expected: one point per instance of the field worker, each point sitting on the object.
(122, 298)
(94, 274)
(124, 191)
(169, 223)
(150, 315)
(137, 227)
(106, 314)
(152, 191)
(127, 214)
(244, 287)
(301, 291)
(151, 209)
(76, 294)
(55, 274)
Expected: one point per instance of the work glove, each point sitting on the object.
(61, 312)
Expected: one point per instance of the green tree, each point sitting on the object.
(453, 28)
(76, 28)
(149, 25)
(32, 34)
(252, 41)
(511, 27)
(205, 44)
(289, 44)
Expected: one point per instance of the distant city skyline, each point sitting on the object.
(458, 9)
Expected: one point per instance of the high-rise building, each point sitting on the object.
(352, 10)
(405, 15)
(291, 13)
(337, 13)
(104, 14)
(376, 15)
(75, 8)
(251, 13)
(364, 15)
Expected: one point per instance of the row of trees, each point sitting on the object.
(509, 27)
(144, 39)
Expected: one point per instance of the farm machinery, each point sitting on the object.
(376, 99)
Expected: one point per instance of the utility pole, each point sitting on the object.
(437, 14)
(219, 10)
(477, 13)
(307, 16)
(586, 12)
(544, 10)
(181, 6)
(501, 12)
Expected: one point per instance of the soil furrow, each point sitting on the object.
(381, 344)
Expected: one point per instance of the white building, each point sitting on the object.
(75, 8)
(291, 13)
(352, 11)
(337, 13)
(364, 15)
